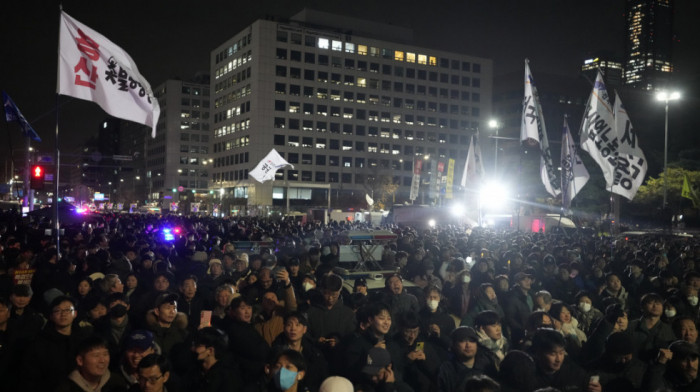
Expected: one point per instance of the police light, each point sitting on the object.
(168, 235)
(36, 181)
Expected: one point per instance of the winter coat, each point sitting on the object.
(249, 347)
(50, 357)
(517, 310)
(338, 320)
(168, 337)
(481, 305)
(453, 375)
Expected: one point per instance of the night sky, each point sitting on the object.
(173, 39)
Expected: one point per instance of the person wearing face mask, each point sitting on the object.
(688, 305)
(435, 322)
(116, 327)
(586, 314)
(484, 300)
(294, 337)
(671, 306)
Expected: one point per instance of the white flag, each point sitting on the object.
(266, 169)
(473, 166)
(533, 130)
(369, 200)
(93, 68)
(598, 135)
(574, 175)
(631, 163)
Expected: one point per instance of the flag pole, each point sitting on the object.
(57, 152)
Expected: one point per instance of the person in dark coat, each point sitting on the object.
(468, 359)
(50, 357)
(377, 319)
(618, 368)
(485, 299)
(436, 323)
(245, 342)
(554, 368)
(516, 372)
(216, 374)
(519, 306)
(294, 337)
(650, 333)
(675, 369)
(330, 321)
(167, 324)
(416, 358)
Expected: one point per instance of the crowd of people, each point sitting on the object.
(172, 303)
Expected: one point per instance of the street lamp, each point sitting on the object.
(494, 124)
(665, 97)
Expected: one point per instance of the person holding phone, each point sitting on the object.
(417, 360)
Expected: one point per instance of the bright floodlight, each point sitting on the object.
(493, 124)
(458, 210)
(431, 223)
(666, 96)
(493, 195)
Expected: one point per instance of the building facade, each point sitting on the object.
(349, 108)
(648, 43)
(177, 162)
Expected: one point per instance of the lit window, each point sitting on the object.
(349, 47)
(362, 49)
(323, 43)
(362, 82)
(337, 45)
(373, 51)
(422, 59)
(398, 55)
(433, 60)
(410, 57)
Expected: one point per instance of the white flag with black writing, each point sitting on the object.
(266, 169)
(533, 130)
(92, 68)
(598, 135)
(573, 173)
(631, 163)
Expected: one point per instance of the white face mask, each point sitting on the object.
(433, 304)
(466, 278)
(693, 300)
(585, 307)
(670, 312)
(308, 286)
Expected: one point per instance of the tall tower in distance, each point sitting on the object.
(648, 44)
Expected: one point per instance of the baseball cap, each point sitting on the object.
(522, 275)
(140, 339)
(377, 359)
(681, 348)
(462, 334)
(166, 298)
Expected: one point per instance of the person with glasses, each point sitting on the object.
(153, 374)
(50, 357)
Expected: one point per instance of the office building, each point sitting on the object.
(177, 161)
(649, 43)
(350, 103)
